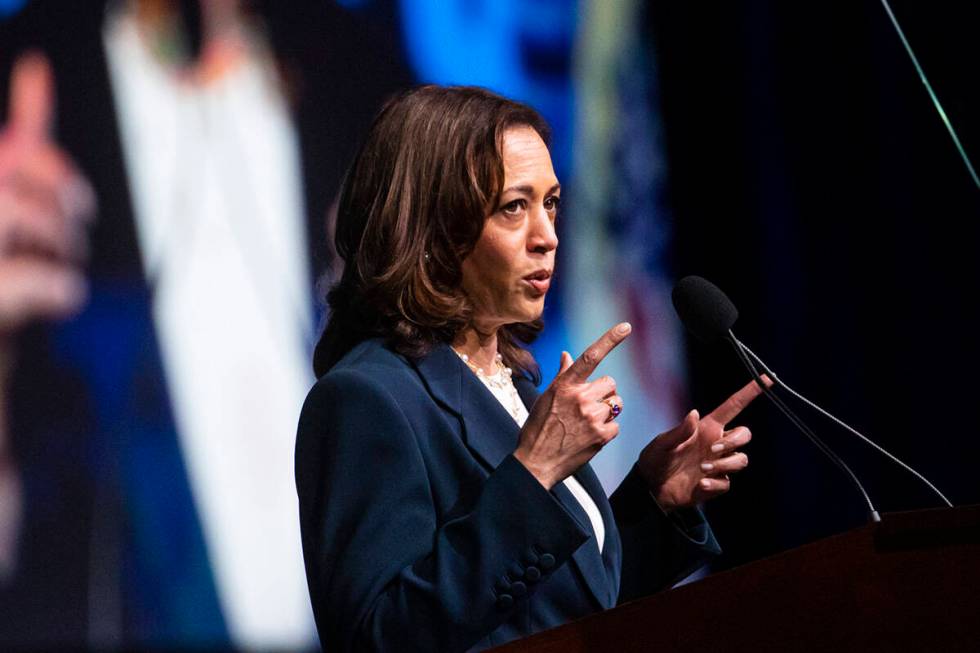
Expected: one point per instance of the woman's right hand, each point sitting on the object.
(571, 421)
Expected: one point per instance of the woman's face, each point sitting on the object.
(507, 274)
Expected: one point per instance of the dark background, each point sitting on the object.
(813, 180)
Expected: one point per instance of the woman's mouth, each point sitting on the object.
(539, 281)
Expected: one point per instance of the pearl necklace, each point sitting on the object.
(502, 379)
(498, 379)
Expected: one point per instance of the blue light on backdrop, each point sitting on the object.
(10, 7)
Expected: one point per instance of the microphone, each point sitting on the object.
(703, 308)
(709, 314)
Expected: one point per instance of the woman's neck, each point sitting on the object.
(480, 348)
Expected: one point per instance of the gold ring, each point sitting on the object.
(614, 408)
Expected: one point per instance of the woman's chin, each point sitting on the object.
(528, 310)
(532, 311)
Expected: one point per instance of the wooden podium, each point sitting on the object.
(908, 583)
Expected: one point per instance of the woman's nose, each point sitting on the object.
(542, 237)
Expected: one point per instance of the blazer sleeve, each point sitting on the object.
(658, 549)
(385, 571)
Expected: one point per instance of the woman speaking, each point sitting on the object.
(444, 504)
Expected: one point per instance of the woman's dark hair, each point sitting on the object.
(412, 207)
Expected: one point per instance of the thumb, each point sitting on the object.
(566, 362)
(31, 107)
(680, 433)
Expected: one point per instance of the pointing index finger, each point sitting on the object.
(585, 364)
(731, 407)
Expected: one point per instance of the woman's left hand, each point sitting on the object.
(691, 462)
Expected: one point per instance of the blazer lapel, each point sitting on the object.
(586, 557)
(488, 430)
(612, 549)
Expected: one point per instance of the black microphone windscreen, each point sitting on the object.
(703, 308)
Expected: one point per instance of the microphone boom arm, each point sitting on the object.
(799, 423)
(740, 347)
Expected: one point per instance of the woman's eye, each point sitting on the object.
(552, 203)
(513, 208)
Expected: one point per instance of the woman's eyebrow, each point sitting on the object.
(528, 190)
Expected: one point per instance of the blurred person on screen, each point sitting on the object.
(165, 174)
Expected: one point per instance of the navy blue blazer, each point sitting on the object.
(422, 532)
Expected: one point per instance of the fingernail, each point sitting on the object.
(718, 447)
(707, 467)
(705, 484)
(624, 328)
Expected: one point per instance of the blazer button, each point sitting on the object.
(547, 561)
(505, 602)
(530, 558)
(518, 589)
(532, 574)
